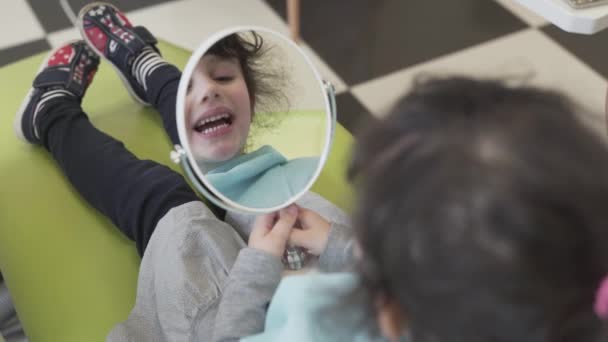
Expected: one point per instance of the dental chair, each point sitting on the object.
(72, 275)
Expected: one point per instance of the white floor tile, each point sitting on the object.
(325, 70)
(521, 53)
(188, 23)
(58, 38)
(523, 13)
(18, 24)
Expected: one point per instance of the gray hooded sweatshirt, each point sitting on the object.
(198, 280)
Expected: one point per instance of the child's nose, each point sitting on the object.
(211, 93)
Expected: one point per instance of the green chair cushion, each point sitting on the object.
(71, 273)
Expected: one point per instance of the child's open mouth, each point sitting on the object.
(214, 125)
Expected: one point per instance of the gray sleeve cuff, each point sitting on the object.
(254, 265)
(253, 279)
(338, 254)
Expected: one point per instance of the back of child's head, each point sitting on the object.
(483, 214)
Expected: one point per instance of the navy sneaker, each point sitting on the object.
(67, 72)
(110, 34)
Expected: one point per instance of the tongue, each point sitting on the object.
(213, 124)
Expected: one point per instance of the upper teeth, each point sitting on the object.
(213, 118)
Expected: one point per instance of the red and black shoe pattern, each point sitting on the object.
(112, 36)
(67, 72)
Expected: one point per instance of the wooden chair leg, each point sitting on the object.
(606, 110)
(293, 19)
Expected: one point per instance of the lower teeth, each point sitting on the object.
(213, 129)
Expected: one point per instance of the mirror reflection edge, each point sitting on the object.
(187, 157)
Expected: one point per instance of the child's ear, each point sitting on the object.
(391, 318)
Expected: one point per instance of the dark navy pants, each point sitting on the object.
(135, 194)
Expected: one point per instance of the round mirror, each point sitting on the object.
(255, 120)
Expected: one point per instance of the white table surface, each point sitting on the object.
(558, 12)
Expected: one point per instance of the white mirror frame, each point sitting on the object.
(183, 155)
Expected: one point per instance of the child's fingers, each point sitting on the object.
(256, 233)
(287, 218)
(266, 220)
(262, 224)
(300, 238)
(310, 219)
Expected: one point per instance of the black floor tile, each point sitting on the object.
(18, 52)
(591, 49)
(351, 113)
(52, 18)
(364, 39)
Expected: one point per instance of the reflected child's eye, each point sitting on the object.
(189, 87)
(224, 78)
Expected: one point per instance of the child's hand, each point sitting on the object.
(271, 237)
(314, 233)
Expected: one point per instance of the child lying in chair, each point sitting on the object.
(187, 252)
(481, 217)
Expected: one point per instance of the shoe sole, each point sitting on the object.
(17, 124)
(80, 26)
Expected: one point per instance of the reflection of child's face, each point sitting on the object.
(218, 109)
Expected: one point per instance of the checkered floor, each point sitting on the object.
(370, 49)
